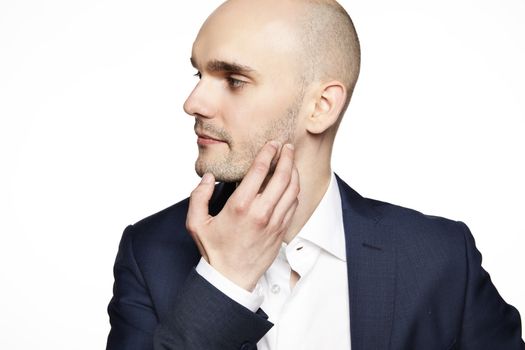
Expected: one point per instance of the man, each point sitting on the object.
(282, 254)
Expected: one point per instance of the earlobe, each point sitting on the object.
(328, 107)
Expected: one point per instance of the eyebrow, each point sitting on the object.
(223, 66)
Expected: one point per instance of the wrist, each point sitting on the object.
(250, 300)
(246, 280)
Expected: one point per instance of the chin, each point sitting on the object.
(221, 172)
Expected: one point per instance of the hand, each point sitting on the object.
(242, 241)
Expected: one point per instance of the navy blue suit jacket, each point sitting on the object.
(415, 282)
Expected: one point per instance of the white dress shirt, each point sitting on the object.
(315, 313)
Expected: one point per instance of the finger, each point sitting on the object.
(199, 200)
(254, 178)
(280, 178)
(289, 215)
(288, 200)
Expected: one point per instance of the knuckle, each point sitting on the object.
(262, 218)
(191, 226)
(261, 221)
(196, 192)
(270, 148)
(240, 207)
(260, 167)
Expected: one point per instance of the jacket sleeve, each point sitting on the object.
(205, 318)
(202, 317)
(131, 313)
(488, 321)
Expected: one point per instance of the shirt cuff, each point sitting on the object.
(250, 300)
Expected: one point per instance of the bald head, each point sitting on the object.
(329, 41)
(326, 44)
(279, 70)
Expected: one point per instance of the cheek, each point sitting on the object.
(254, 109)
(248, 115)
(250, 123)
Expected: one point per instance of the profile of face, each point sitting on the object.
(249, 88)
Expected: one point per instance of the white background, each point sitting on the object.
(93, 137)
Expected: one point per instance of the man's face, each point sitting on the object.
(249, 90)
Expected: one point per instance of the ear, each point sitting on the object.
(329, 104)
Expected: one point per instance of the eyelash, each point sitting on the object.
(233, 83)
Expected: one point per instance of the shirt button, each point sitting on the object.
(276, 289)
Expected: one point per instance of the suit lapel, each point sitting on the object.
(371, 271)
(371, 264)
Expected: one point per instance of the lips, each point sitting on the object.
(203, 139)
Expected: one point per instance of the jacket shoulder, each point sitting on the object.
(424, 242)
(413, 224)
(403, 221)
(164, 221)
(412, 219)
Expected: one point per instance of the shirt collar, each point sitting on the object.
(325, 227)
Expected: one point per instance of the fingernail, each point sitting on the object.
(206, 178)
(289, 146)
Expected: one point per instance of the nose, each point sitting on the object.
(200, 103)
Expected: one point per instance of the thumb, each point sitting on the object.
(199, 199)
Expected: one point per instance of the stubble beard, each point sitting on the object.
(234, 164)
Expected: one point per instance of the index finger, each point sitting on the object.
(281, 177)
(254, 178)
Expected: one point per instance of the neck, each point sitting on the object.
(313, 187)
(313, 165)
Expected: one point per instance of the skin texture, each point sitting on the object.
(243, 240)
(269, 70)
(263, 104)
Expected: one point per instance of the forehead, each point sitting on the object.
(239, 35)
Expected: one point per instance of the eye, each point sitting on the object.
(198, 75)
(235, 83)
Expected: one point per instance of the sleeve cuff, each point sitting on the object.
(250, 300)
